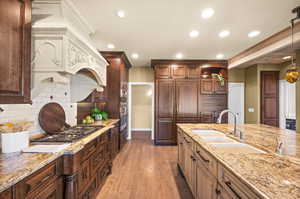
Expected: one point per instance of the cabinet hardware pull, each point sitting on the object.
(229, 185)
(192, 157)
(218, 192)
(205, 160)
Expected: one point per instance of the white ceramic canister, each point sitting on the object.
(14, 142)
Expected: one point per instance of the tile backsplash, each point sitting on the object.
(54, 92)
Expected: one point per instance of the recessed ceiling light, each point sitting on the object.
(220, 56)
(254, 33)
(224, 33)
(179, 56)
(121, 13)
(110, 46)
(287, 57)
(194, 34)
(135, 56)
(207, 13)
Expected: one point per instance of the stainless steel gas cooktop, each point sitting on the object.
(69, 135)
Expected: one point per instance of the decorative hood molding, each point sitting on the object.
(62, 45)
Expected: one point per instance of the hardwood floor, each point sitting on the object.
(145, 171)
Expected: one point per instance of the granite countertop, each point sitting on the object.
(271, 175)
(14, 167)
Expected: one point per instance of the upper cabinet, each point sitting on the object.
(163, 72)
(15, 57)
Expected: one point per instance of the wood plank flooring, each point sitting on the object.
(144, 171)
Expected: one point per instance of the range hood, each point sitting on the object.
(61, 45)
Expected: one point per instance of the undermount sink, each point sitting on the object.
(207, 132)
(236, 147)
(221, 139)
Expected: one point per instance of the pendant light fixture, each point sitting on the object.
(292, 75)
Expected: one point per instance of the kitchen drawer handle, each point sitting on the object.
(205, 160)
(229, 185)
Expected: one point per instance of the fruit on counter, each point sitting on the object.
(88, 120)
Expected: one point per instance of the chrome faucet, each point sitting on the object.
(235, 118)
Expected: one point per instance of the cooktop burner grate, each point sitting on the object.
(69, 135)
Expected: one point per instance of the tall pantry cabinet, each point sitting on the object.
(187, 92)
(116, 91)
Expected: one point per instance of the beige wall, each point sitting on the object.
(236, 75)
(141, 107)
(141, 74)
(252, 88)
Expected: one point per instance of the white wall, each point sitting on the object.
(17, 112)
(287, 102)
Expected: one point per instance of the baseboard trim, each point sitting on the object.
(141, 129)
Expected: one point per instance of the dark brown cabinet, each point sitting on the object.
(178, 71)
(6, 194)
(165, 96)
(183, 95)
(187, 98)
(164, 131)
(213, 86)
(163, 72)
(207, 86)
(114, 142)
(117, 91)
(47, 178)
(15, 63)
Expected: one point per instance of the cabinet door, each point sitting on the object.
(193, 72)
(179, 72)
(163, 72)
(84, 175)
(220, 89)
(165, 132)
(186, 98)
(181, 152)
(206, 183)
(6, 194)
(207, 86)
(15, 63)
(164, 98)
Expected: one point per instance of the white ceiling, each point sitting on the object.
(158, 29)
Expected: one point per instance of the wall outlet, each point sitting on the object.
(251, 110)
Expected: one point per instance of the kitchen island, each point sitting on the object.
(31, 170)
(224, 166)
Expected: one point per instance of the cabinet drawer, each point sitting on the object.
(98, 158)
(53, 191)
(37, 181)
(88, 150)
(233, 185)
(207, 160)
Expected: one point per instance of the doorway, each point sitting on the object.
(141, 110)
(270, 98)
